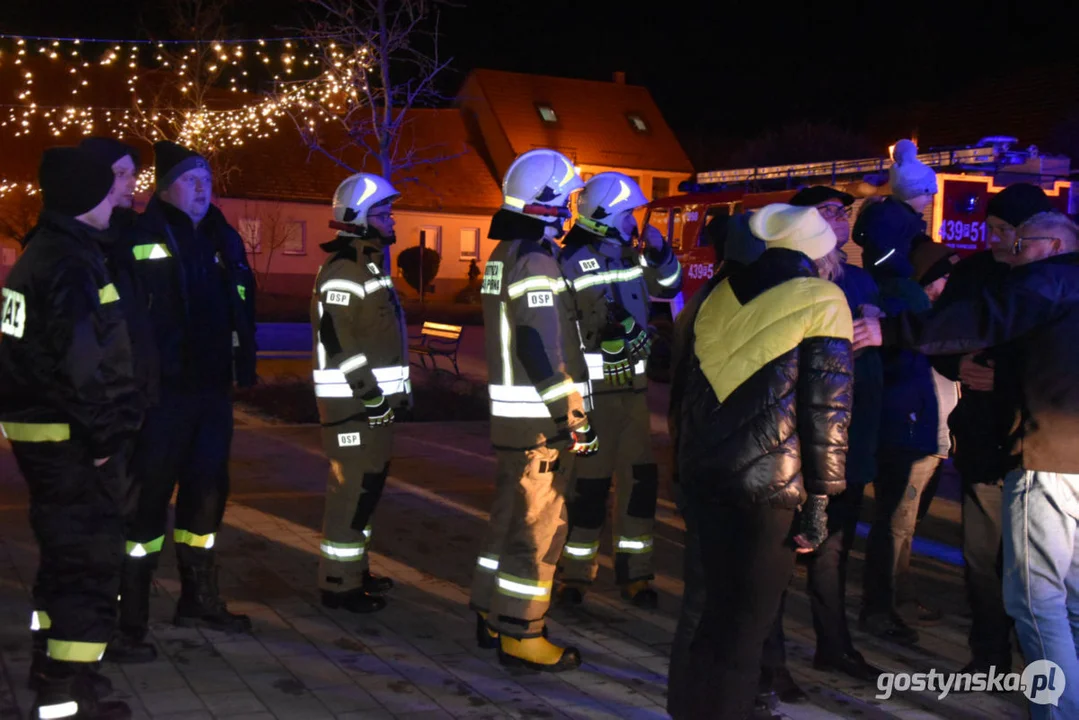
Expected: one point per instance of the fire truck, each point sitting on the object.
(968, 176)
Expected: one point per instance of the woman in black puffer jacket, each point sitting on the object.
(762, 430)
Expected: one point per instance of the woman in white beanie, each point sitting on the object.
(761, 428)
(886, 229)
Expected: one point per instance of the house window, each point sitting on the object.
(294, 241)
(431, 238)
(470, 243)
(661, 187)
(546, 113)
(251, 232)
(637, 122)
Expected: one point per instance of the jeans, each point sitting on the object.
(826, 583)
(902, 476)
(1041, 576)
(990, 627)
(748, 559)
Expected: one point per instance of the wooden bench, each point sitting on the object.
(437, 340)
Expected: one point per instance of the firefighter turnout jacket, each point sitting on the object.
(361, 343)
(601, 275)
(538, 376)
(65, 356)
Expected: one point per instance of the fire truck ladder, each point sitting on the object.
(941, 158)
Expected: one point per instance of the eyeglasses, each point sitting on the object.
(379, 216)
(1017, 246)
(835, 212)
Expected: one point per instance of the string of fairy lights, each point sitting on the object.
(209, 95)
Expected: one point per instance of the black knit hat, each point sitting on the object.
(817, 194)
(1018, 203)
(109, 149)
(73, 181)
(172, 160)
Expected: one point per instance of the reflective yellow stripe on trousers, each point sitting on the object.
(36, 432)
(523, 588)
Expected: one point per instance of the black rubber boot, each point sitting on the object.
(129, 645)
(640, 594)
(129, 650)
(570, 595)
(355, 601)
(376, 585)
(66, 691)
(200, 599)
(486, 638)
(99, 685)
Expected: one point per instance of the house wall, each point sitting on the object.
(290, 269)
(644, 178)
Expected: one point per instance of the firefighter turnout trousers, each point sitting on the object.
(515, 570)
(359, 458)
(76, 519)
(622, 423)
(185, 441)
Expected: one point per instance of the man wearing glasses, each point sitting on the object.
(827, 567)
(1036, 308)
(980, 425)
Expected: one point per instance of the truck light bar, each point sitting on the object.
(943, 158)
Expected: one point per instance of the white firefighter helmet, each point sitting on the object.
(539, 183)
(606, 199)
(356, 196)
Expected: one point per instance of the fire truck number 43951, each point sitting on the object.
(958, 230)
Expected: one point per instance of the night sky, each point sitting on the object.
(717, 69)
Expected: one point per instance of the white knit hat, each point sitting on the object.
(908, 176)
(795, 228)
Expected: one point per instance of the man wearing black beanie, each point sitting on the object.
(194, 265)
(68, 404)
(134, 301)
(980, 425)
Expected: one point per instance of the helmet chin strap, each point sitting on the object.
(606, 233)
(364, 232)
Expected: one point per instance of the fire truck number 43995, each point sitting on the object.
(700, 271)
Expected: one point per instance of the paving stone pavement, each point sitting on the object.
(417, 659)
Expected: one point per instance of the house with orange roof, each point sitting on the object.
(277, 192)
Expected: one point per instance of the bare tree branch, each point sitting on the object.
(380, 61)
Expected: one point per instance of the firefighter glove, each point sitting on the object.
(379, 412)
(617, 368)
(812, 523)
(638, 341)
(585, 441)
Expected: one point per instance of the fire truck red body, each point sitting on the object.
(956, 217)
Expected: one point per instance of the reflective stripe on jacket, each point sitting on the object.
(536, 368)
(360, 340)
(601, 274)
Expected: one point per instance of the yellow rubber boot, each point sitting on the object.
(641, 594)
(537, 654)
(486, 638)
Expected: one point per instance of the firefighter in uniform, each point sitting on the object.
(539, 399)
(201, 291)
(68, 404)
(361, 377)
(612, 282)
